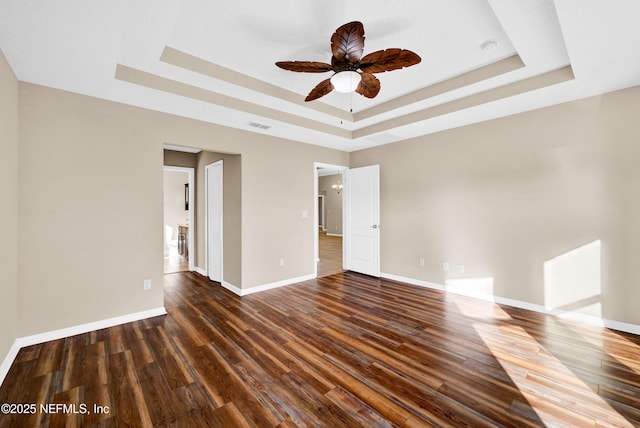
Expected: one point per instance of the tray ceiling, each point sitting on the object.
(214, 60)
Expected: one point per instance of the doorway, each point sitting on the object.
(178, 218)
(360, 195)
(329, 219)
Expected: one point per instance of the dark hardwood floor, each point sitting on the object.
(342, 351)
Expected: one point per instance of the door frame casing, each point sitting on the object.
(207, 219)
(323, 225)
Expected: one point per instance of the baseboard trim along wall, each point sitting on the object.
(231, 287)
(199, 270)
(8, 360)
(21, 342)
(264, 287)
(272, 285)
(587, 319)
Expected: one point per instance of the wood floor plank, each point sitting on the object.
(384, 405)
(229, 416)
(172, 366)
(95, 381)
(338, 351)
(50, 358)
(234, 388)
(130, 407)
(203, 371)
(161, 402)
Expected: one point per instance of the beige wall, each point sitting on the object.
(277, 186)
(182, 159)
(90, 205)
(505, 196)
(332, 203)
(91, 200)
(8, 207)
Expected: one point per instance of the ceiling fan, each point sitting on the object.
(352, 71)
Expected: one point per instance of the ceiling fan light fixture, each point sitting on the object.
(352, 71)
(346, 81)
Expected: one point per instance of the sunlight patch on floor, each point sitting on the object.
(572, 402)
(626, 359)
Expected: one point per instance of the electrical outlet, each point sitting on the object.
(460, 268)
(421, 262)
(282, 261)
(147, 284)
(445, 266)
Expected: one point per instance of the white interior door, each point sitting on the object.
(214, 191)
(362, 215)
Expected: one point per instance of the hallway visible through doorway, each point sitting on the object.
(178, 216)
(176, 263)
(330, 254)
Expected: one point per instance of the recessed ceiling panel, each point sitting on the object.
(251, 36)
(215, 61)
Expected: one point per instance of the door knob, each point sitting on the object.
(375, 226)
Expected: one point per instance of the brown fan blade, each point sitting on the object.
(305, 66)
(321, 89)
(369, 85)
(388, 59)
(347, 43)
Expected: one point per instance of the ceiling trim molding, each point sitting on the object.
(150, 80)
(198, 65)
(563, 74)
(153, 81)
(181, 148)
(476, 75)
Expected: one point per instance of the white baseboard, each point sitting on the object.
(225, 284)
(413, 281)
(587, 319)
(85, 328)
(21, 342)
(232, 288)
(264, 287)
(272, 285)
(334, 234)
(8, 360)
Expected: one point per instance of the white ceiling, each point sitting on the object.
(214, 60)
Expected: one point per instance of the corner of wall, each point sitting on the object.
(9, 140)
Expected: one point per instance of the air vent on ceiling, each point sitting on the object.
(259, 125)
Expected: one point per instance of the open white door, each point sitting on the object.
(213, 215)
(362, 215)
